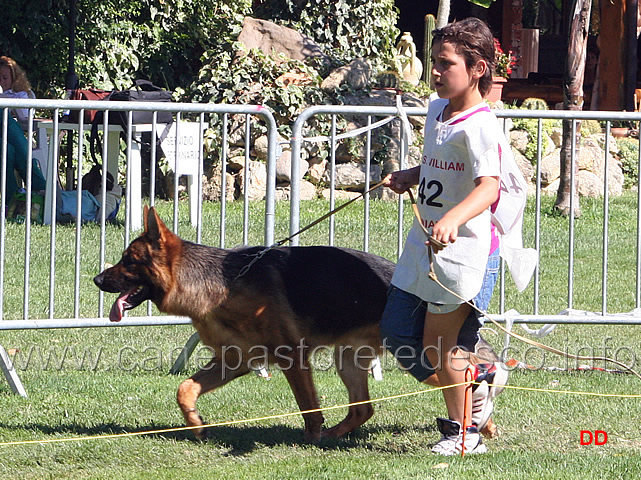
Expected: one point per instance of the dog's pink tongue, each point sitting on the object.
(118, 308)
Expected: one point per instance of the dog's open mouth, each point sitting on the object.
(127, 301)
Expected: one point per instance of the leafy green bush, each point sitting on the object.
(170, 41)
(629, 156)
(533, 103)
(117, 41)
(590, 127)
(344, 29)
(257, 79)
(339, 28)
(530, 126)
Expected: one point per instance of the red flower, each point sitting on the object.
(503, 62)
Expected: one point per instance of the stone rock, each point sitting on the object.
(552, 188)
(259, 149)
(615, 178)
(591, 156)
(548, 146)
(256, 180)
(212, 185)
(316, 170)
(557, 136)
(590, 177)
(592, 159)
(355, 74)
(307, 191)
(589, 184)
(284, 167)
(236, 162)
(519, 139)
(339, 194)
(550, 168)
(351, 176)
(270, 37)
(525, 166)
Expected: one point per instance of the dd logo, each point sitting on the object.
(598, 437)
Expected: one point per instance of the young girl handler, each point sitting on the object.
(459, 183)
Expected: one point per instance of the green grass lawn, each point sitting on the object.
(93, 382)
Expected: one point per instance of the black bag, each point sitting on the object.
(141, 91)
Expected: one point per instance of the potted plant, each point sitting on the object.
(620, 128)
(503, 63)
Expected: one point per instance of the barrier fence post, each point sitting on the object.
(10, 373)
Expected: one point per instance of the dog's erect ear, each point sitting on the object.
(154, 226)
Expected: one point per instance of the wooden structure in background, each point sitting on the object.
(611, 84)
(617, 22)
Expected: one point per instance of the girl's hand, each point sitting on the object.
(484, 194)
(402, 180)
(443, 232)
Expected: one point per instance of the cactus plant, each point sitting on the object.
(430, 25)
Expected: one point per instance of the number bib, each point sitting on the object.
(508, 210)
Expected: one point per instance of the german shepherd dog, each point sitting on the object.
(277, 305)
(283, 302)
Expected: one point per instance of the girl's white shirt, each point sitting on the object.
(21, 114)
(455, 153)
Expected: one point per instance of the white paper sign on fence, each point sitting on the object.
(188, 147)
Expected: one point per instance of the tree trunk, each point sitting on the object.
(573, 100)
(443, 14)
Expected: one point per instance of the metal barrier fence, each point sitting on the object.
(91, 240)
(69, 268)
(89, 249)
(506, 312)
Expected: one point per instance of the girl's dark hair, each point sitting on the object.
(473, 39)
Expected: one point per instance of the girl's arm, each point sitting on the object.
(484, 194)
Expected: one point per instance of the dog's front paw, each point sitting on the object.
(490, 430)
(313, 437)
(193, 419)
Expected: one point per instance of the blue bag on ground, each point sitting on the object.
(67, 206)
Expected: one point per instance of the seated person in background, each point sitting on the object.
(14, 84)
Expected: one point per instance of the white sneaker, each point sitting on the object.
(491, 378)
(452, 441)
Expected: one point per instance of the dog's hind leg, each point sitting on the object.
(352, 367)
(301, 382)
(215, 374)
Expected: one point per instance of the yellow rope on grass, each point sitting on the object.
(290, 414)
(226, 423)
